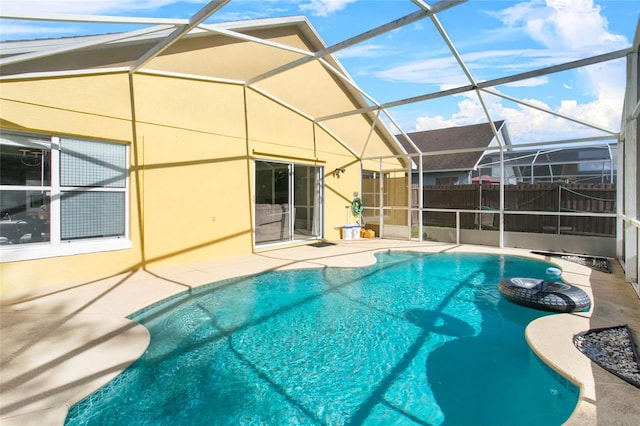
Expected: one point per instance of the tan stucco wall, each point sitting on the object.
(85, 105)
(226, 58)
(192, 146)
(192, 152)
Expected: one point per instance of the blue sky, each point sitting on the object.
(495, 38)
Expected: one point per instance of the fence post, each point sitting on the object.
(559, 208)
(480, 205)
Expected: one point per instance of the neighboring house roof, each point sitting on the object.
(462, 137)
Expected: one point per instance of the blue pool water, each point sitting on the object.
(416, 339)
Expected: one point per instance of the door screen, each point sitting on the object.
(288, 197)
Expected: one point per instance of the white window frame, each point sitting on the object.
(56, 247)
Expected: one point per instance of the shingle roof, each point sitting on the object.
(473, 136)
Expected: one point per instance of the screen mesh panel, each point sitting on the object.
(92, 214)
(90, 164)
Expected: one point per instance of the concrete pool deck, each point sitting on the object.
(59, 344)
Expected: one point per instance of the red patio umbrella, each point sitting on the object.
(485, 179)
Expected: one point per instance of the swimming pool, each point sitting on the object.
(414, 339)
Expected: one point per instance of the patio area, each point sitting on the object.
(60, 343)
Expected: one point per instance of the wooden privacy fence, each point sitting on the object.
(545, 197)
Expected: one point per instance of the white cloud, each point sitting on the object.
(527, 124)
(446, 72)
(361, 51)
(443, 71)
(530, 82)
(436, 122)
(324, 7)
(564, 28)
(517, 60)
(79, 7)
(82, 7)
(34, 30)
(563, 24)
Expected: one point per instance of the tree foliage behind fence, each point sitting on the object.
(545, 197)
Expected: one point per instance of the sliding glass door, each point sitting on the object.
(307, 201)
(288, 200)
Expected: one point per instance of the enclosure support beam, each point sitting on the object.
(204, 13)
(382, 29)
(549, 111)
(628, 206)
(490, 83)
(94, 41)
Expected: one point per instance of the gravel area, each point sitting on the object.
(613, 349)
(598, 263)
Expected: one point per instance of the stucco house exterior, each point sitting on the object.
(122, 151)
(440, 167)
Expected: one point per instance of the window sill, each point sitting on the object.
(19, 252)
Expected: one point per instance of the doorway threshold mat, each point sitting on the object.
(322, 244)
